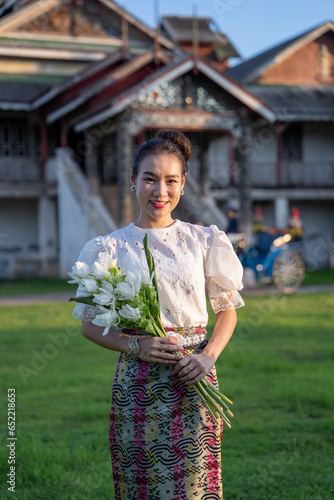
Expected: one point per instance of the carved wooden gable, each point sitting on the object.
(68, 19)
(80, 18)
(190, 92)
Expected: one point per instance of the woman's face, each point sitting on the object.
(158, 188)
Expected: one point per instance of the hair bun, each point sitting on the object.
(179, 139)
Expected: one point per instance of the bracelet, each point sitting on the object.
(134, 347)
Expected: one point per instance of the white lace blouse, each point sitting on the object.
(190, 261)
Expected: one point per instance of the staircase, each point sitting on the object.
(82, 216)
(194, 207)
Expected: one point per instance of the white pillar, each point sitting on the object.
(281, 212)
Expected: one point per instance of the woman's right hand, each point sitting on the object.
(159, 349)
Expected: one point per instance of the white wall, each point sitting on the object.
(263, 146)
(47, 223)
(218, 160)
(18, 232)
(262, 156)
(318, 225)
(19, 222)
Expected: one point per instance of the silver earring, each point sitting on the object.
(182, 192)
(133, 187)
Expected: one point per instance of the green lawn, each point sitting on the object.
(319, 277)
(38, 285)
(42, 285)
(278, 369)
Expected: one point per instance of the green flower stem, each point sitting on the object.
(209, 397)
(220, 394)
(160, 331)
(151, 264)
(197, 389)
(215, 396)
(161, 326)
(204, 389)
(213, 403)
(157, 329)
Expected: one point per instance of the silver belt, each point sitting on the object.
(189, 340)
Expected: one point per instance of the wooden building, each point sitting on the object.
(84, 83)
(292, 164)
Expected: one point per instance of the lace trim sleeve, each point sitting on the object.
(85, 312)
(222, 299)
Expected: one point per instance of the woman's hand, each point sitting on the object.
(159, 349)
(194, 367)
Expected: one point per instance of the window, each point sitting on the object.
(13, 138)
(292, 143)
(108, 160)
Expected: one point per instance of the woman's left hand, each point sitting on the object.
(194, 367)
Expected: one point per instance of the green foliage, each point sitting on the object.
(277, 368)
(89, 300)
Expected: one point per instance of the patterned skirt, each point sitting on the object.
(163, 443)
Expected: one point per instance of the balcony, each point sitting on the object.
(265, 175)
(293, 175)
(22, 169)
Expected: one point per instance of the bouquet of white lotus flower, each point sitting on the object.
(132, 301)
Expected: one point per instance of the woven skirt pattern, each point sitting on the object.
(163, 443)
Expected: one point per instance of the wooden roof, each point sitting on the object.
(298, 103)
(90, 88)
(177, 68)
(250, 70)
(46, 21)
(19, 95)
(181, 30)
(91, 73)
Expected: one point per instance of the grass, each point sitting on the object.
(38, 285)
(278, 369)
(42, 285)
(319, 277)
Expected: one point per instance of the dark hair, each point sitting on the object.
(167, 142)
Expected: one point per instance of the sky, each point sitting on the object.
(251, 25)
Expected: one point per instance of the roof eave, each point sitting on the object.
(128, 68)
(15, 106)
(238, 92)
(119, 104)
(77, 78)
(304, 117)
(136, 22)
(28, 12)
(291, 49)
(25, 14)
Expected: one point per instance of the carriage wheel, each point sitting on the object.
(288, 271)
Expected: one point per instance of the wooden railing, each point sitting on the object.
(263, 174)
(23, 169)
(266, 175)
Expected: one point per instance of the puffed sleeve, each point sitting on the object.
(89, 254)
(91, 250)
(223, 272)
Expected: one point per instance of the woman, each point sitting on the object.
(164, 444)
